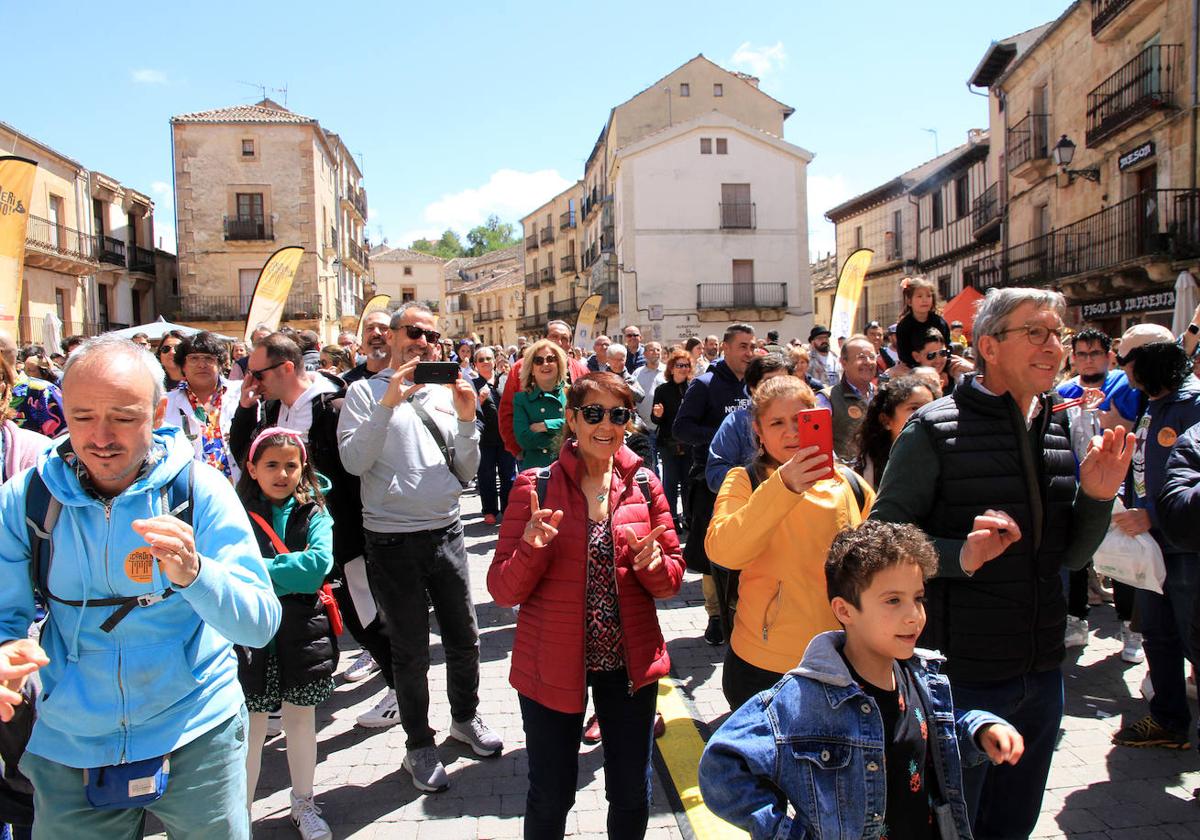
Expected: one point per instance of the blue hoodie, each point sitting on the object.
(167, 673)
(709, 399)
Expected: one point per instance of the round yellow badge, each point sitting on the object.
(1167, 436)
(855, 412)
(139, 565)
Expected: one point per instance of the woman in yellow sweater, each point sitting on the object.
(778, 532)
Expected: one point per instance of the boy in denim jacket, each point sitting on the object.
(861, 739)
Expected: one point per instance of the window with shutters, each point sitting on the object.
(737, 210)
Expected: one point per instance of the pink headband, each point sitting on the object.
(278, 430)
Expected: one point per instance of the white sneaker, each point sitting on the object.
(1131, 642)
(306, 816)
(361, 668)
(1147, 687)
(386, 713)
(1077, 632)
(274, 724)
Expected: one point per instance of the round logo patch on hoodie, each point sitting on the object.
(139, 565)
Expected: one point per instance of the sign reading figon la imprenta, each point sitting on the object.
(1148, 302)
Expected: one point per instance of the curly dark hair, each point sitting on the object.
(858, 554)
(875, 441)
(1091, 335)
(1160, 367)
(201, 343)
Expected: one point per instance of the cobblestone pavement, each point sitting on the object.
(1095, 790)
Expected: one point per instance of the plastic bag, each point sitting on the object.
(1137, 561)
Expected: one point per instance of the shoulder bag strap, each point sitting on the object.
(433, 429)
(280, 545)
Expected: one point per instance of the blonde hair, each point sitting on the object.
(527, 378)
(775, 388)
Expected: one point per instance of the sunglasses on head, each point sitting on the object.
(593, 414)
(931, 356)
(545, 360)
(414, 333)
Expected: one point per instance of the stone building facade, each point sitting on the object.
(554, 281)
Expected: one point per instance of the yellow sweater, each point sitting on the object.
(779, 541)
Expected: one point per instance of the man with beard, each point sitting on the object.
(375, 347)
(823, 364)
(416, 447)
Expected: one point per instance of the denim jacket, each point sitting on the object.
(817, 738)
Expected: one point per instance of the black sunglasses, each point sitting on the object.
(931, 356)
(167, 348)
(251, 373)
(593, 414)
(1128, 357)
(545, 360)
(414, 333)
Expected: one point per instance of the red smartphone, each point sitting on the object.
(816, 429)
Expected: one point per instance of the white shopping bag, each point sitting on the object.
(1137, 561)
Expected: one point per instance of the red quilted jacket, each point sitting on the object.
(548, 655)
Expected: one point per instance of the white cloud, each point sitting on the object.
(149, 76)
(759, 61)
(160, 188)
(508, 193)
(824, 193)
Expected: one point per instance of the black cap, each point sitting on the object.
(818, 330)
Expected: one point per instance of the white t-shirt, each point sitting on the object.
(298, 417)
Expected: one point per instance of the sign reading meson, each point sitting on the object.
(1149, 302)
(1136, 156)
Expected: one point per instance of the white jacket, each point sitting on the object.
(180, 414)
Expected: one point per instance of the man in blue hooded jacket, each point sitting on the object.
(161, 680)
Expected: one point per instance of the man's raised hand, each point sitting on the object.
(992, 533)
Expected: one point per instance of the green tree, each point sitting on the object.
(448, 247)
(492, 235)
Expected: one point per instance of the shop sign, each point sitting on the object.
(1136, 156)
(1149, 302)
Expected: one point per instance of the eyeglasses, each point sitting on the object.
(1037, 334)
(1084, 355)
(414, 333)
(863, 357)
(166, 348)
(545, 360)
(593, 414)
(201, 359)
(929, 357)
(683, 365)
(251, 373)
(633, 335)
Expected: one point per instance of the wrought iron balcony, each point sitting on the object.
(1155, 224)
(563, 310)
(359, 254)
(484, 317)
(607, 240)
(1145, 84)
(535, 322)
(112, 250)
(1028, 139)
(741, 295)
(531, 280)
(531, 243)
(985, 212)
(547, 235)
(45, 236)
(739, 215)
(1105, 11)
(235, 307)
(546, 275)
(566, 220)
(248, 228)
(141, 259)
(567, 264)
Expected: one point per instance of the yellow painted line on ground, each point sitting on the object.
(680, 748)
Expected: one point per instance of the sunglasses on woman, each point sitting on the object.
(929, 357)
(544, 360)
(414, 333)
(593, 414)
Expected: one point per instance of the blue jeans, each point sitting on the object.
(552, 745)
(652, 436)
(1166, 622)
(496, 464)
(205, 798)
(675, 469)
(1004, 801)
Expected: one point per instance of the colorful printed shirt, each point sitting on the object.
(908, 760)
(38, 406)
(215, 452)
(603, 648)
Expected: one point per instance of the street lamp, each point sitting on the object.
(1064, 153)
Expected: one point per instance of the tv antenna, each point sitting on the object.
(933, 131)
(263, 90)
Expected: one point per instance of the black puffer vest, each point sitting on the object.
(1009, 618)
(305, 646)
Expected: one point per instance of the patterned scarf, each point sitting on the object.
(211, 437)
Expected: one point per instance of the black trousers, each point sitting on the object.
(373, 638)
(401, 569)
(740, 680)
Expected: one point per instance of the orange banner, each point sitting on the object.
(849, 292)
(16, 189)
(378, 303)
(271, 290)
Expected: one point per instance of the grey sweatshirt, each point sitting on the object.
(406, 484)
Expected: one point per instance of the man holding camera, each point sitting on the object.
(416, 447)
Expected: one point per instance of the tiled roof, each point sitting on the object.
(264, 112)
(407, 255)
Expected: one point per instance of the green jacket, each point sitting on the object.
(540, 448)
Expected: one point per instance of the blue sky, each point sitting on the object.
(467, 109)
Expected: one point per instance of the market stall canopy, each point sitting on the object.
(161, 327)
(962, 307)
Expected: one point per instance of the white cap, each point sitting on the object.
(1140, 334)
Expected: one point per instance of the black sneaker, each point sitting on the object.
(1148, 733)
(713, 634)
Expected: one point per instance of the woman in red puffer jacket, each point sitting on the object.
(585, 565)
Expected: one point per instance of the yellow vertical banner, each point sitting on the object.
(16, 189)
(377, 303)
(585, 322)
(849, 292)
(271, 290)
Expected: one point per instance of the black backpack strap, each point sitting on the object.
(543, 480)
(41, 515)
(851, 477)
(643, 482)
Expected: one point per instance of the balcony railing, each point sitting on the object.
(359, 254)
(45, 235)
(739, 215)
(536, 321)
(235, 307)
(1104, 11)
(546, 275)
(248, 228)
(359, 197)
(1028, 139)
(1143, 85)
(141, 259)
(566, 220)
(547, 235)
(607, 240)
(741, 295)
(531, 280)
(986, 209)
(564, 310)
(112, 250)
(531, 243)
(1154, 223)
(567, 264)
(484, 317)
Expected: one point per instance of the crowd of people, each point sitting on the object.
(192, 527)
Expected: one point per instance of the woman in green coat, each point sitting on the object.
(538, 406)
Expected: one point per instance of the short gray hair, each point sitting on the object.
(108, 344)
(405, 308)
(556, 323)
(991, 316)
(615, 349)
